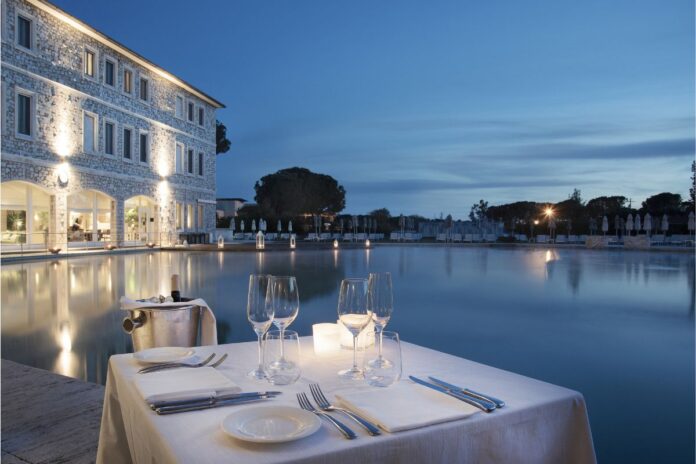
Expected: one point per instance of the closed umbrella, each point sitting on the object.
(253, 225)
(629, 224)
(605, 225)
(647, 223)
(636, 224)
(665, 224)
(692, 222)
(262, 225)
(279, 226)
(290, 226)
(241, 225)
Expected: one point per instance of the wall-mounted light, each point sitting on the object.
(63, 173)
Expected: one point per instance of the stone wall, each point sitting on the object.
(53, 72)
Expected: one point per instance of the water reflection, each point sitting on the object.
(571, 317)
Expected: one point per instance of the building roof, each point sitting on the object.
(231, 199)
(119, 47)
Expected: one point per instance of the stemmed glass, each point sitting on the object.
(380, 302)
(354, 314)
(259, 314)
(284, 298)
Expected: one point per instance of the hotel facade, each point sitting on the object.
(99, 145)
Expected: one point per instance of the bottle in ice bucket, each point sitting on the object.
(176, 294)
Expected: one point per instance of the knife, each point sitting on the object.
(449, 386)
(209, 405)
(481, 404)
(208, 399)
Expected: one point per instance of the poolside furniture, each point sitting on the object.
(456, 237)
(395, 236)
(561, 239)
(553, 419)
(360, 237)
(285, 236)
(336, 236)
(271, 236)
(311, 236)
(522, 238)
(476, 238)
(408, 236)
(490, 238)
(657, 240)
(325, 236)
(441, 237)
(542, 239)
(348, 237)
(582, 239)
(248, 236)
(468, 238)
(573, 239)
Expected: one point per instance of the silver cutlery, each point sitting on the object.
(498, 402)
(158, 367)
(209, 405)
(483, 405)
(325, 405)
(210, 399)
(307, 406)
(219, 361)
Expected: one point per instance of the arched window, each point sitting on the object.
(89, 217)
(140, 223)
(25, 210)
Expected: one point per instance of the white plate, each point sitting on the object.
(164, 354)
(270, 424)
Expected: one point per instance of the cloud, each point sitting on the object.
(673, 148)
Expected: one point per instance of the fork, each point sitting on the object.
(307, 406)
(324, 405)
(158, 367)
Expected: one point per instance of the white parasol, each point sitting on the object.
(289, 226)
(636, 224)
(665, 224)
(647, 223)
(279, 226)
(605, 225)
(629, 224)
(253, 225)
(241, 225)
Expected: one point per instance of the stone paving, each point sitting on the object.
(48, 418)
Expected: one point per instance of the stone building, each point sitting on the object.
(99, 145)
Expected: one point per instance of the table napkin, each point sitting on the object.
(183, 383)
(208, 323)
(405, 406)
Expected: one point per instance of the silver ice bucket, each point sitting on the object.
(152, 327)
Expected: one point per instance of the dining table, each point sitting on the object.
(540, 422)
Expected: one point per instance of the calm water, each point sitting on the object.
(617, 326)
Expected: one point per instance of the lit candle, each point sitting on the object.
(365, 338)
(325, 337)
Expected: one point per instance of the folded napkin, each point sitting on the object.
(208, 323)
(181, 384)
(405, 406)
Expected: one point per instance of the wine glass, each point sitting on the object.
(259, 314)
(283, 296)
(387, 373)
(354, 315)
(380, 302)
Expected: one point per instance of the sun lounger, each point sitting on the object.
(441, 238)
(347, 237)
(542, 239)
(457, 237)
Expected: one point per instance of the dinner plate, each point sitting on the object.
(164, 354)
(270, 424)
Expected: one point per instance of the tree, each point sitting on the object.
(478, 211)
(575, 196)
(297, 191)
(382, 217)
(662, 203)
(609, 206)
(222, 143)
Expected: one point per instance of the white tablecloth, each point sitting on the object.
(541, 423)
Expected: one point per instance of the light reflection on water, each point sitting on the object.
(615, 325)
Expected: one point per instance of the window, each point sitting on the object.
(179, 161)
(25, 31)
(110, 72)
(200, 164)
(179, 107)
(25, 114)
(201, 116)
(128, 81)
(144, 148)
(88, 62)
(127, 143)
(144, 89)
(89, 133)
(179, 216)
(200, 216)
(109, 132)
(189, 216)
(190, 111)
(189, 161)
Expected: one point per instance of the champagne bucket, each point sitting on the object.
(152, 327)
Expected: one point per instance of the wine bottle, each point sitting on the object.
(176, 294)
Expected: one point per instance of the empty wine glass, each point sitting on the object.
(259, 314)
(386, 373)
(284, 298)
(380, 301)
(354, 315)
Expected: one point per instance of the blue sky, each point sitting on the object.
(426, 107)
